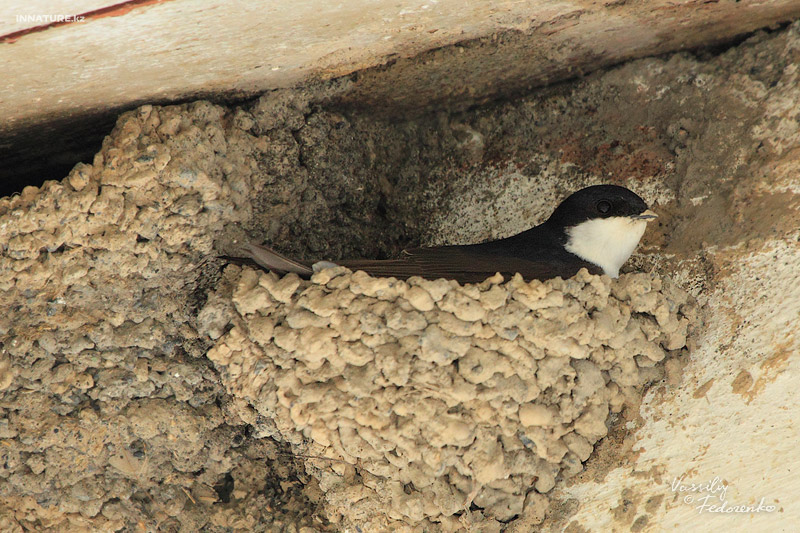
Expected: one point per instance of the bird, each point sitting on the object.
(596, 228)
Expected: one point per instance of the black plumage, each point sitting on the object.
(538, 253)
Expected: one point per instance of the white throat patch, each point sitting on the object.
(606, 242)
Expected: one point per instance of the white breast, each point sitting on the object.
(606, 242)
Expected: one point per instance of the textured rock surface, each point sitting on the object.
(483, 394)
(103, 277)
(110, 416)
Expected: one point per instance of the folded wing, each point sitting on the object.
(272, 260)
(467, 265)
(464, 264)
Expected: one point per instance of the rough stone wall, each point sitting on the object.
(103, 275)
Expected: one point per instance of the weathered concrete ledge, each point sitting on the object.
(408, 56)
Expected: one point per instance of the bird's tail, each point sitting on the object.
(272, 260)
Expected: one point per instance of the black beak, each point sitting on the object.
(646, 215)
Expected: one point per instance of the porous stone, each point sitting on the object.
(426, 403)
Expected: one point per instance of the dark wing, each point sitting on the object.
(464, 264)
(272, 260)
(467, 265)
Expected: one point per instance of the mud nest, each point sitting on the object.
(364, 401)
(428, 397)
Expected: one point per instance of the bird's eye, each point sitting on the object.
(603, 206)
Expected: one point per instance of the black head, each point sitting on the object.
(597, 201)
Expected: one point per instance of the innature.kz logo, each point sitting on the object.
(46, 19)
